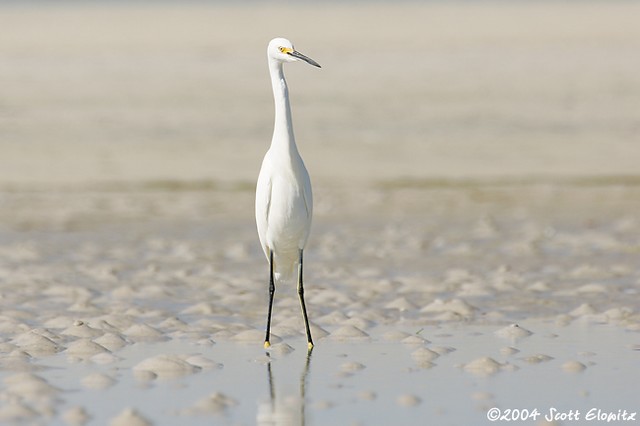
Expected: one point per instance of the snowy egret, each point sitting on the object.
(284, 204)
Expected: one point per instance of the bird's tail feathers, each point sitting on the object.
(284, 274)
(285, 271)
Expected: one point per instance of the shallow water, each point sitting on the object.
(372, 382)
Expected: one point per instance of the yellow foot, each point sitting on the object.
(267, 345)
(310, 345)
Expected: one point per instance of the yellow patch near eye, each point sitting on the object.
(286, 50)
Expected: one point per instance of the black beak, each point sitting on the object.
(308, 60)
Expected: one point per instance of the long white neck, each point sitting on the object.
(283, 138)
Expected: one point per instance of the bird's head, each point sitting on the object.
(282, 50)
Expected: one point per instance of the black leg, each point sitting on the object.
(272, 291)
(304, 308)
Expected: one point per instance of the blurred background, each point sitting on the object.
(101, 94)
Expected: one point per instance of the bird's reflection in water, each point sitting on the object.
(284, 409)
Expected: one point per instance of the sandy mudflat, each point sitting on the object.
(476, 232)
(522, 296)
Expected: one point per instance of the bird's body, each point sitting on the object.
(284, 188)
(284, 201)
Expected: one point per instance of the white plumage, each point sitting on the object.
(284, 201)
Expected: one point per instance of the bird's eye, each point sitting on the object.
(282, 49)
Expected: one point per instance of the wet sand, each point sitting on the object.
(414, 315)
(475, 239)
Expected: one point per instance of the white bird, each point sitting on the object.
(284, 203)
